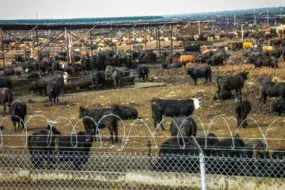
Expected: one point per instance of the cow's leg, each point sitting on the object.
(19, 124)
(116, 131)
(14, 124)
(111, 129)
(23, 125)
(244, 116)
(50, 99)
(238, 120)
(119, 82)
(161, 124)
(4, 109)
(264, 98)
(115, 82)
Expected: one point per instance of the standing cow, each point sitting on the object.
(243, 108)
(200, 71)
(6, 96)
(229, 83)
(172, 108)
(19, 112)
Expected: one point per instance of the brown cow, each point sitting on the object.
(187, 59)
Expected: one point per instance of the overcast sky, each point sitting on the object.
(15, 9)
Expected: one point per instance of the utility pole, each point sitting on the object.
(267, 17)
(254, 17)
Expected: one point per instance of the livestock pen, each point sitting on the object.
(64, 37)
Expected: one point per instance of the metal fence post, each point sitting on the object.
(202, 171)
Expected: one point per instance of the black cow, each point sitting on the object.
(143, 72)
(201, 71)
(18, 113)
(193, 48)
(41, 145)
(186, 125)
(117, 77)
(272, 89)
(172, 153)
(235, 46)
(125, 112)
(278, 106)
(9, 72)
(172, 108)
(216, 60)
(75, 149)
(110, 122)
(5, 82)
(39, 87)
(173, 66)
(6, 96)
(229, 83)
(223, 95)
(98, 78)
(268, 61)
(53, 90)
(48, 145)
(243, 108)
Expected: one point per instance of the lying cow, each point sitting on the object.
(173, 66)
(223, 95)
(5, 82)
(48, 145)
(278, 107)
(171, 151)
(200, 71)
(272, 89)
(172, 108)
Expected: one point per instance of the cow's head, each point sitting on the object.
(197, 102)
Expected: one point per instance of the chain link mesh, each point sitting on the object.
(129, 171)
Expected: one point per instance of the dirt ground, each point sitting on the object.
(177, 86)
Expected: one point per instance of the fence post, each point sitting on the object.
(202, 171)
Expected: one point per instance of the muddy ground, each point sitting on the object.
(177, 85)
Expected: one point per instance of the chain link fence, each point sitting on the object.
(20, 169)
(53, 161)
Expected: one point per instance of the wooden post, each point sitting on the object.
(145, 38)
(91, 43)
(199, 28)
(171, 41)
(91, 47)
(2, 48)
(38, 48)
(159, 47)
(67, 45)
(130, 41)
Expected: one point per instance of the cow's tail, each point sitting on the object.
(10, 97)
(210, 74)
(218, 82)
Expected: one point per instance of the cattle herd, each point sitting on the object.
(50, 75)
